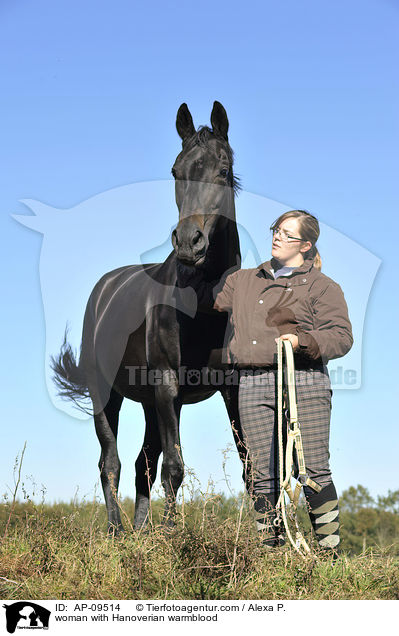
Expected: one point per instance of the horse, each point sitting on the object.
(142, 323)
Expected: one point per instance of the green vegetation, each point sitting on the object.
(61, 551)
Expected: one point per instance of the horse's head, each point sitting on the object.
(204, 184)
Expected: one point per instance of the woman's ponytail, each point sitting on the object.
(317, 258)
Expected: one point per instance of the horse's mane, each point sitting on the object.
(202, 137)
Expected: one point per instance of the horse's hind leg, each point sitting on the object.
(106, 423)
(146, 466)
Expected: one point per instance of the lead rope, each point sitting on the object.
(294, 441)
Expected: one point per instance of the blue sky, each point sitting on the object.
(89, 99)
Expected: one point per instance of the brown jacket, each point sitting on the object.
(261, 308)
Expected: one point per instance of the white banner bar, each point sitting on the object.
(160, 617)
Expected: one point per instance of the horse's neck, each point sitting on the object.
(230, 255)
(233, 254)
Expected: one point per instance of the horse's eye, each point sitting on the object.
(224, 172)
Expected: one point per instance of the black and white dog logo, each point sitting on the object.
(26, 615)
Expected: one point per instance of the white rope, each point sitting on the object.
(294, 441)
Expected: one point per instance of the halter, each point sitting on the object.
(287, 405)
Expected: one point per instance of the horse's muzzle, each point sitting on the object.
(190, 244)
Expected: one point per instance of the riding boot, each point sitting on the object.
(270, 532)
(324, 515)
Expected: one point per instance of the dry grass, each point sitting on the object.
(62, 552)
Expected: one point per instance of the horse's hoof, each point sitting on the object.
(115, 531)
(144, 529)
(168, 524)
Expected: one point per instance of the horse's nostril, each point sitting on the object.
(197, 237)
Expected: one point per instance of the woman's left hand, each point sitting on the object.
(292, 338)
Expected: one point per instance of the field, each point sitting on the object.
(61, 551)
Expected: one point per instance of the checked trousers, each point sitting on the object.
(258, 416)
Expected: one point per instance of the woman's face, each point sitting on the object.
(289, 252)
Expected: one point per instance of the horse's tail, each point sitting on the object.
(69, 377)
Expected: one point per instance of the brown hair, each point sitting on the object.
(309, 231)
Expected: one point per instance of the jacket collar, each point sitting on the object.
(274, 263)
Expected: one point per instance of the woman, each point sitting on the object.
(289, 297)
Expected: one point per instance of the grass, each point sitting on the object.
(61, 551)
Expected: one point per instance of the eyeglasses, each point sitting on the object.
(284, 236)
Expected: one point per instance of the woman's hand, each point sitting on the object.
(292, 338)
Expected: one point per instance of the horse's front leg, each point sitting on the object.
(168, 406)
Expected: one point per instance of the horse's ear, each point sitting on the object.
(219, 121)
(184, 123)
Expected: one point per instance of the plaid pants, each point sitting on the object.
(258, 416)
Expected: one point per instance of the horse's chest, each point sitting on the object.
(199, 337)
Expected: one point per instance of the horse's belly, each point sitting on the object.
(192, 395)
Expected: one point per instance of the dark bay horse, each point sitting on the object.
(142, 325)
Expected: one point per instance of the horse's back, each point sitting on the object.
(120, 281)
